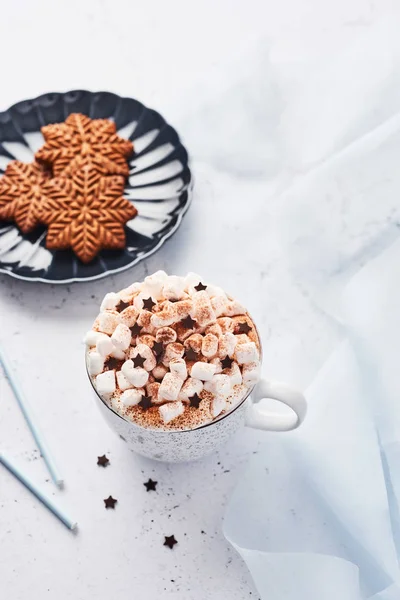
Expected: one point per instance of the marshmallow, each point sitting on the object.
(203, 371)
(147, 339)
(107, 322)
(95, 363)
(165, 317)
(127, 294)
(109, 301)
(171, 411)
(159, 371)
(173, 288)
(190, 388)
(220, 385)
(215, 291)
(136, 375)
(183, 308)
(219, 305)
(105, 383)
(145, 352)
(246, 353)
(152, 390)
(235, 374)
(242, 338)
(122, 381)
(170, 386)
(218, 405)
(218, 365)
(104, 345)
(234, 308)
(251, 373)
(174, 350)
(227, 344)
(178, 366)
(209, 346)
(226, 324)
(121, 338)
(129, 316)
(191, 280)
(131, 397)
(166, 335)
(202, 310)
(91, 337)
(118, 354)
(215, 329)
(195, 341)
(153, 284)
(144, 320)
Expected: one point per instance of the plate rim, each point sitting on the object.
(163, 239)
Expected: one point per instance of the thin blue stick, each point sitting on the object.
(30, 419)
(16, 471)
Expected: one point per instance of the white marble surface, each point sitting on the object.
(207, 68)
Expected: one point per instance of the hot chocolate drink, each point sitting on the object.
(172, 353)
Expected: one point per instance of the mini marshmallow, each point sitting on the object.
(219, 305)
(174, 350)
(95, 363)
(242, 338)
(159, 371)
(220, 385)
(108, 321)
(215, 291)
(91, 337)
(191, 280)
(235, 374)
(127, 294)
(246, 353)
(251, 373)
(146, 339)
(170, 386)
(173, 288)
(218, 405)
(129, 316)
(122, 381)
(109, 301)
(183, 308)
(226, 324)
(153, 284)
(226, 345)
(178, 366)
(195, 341)
(144, 320)
(152, 390)
(166, 335)
(121, 338)
(215, 329)
(104, 345)
(218, 365)
(203, 371)
(165, 317)
(171, 411)
(131, 397)
(202, 310)
(118, 354)
(190, 388)
(146, 353)
(234, 308)
(136, 375)
(209, 346)
(105, 383)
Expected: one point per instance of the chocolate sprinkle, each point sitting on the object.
(158, 348)
(145, 402)
(138, 361)
(243, 328)
(135, 329)
(102, 461)
(170, 541)
(150, 485)
(188, 322)
(122, 305)
(200, 287)
(226, 362)
(113, 363)
(195, 401)
(110, 502)
(190, 354)
(149, 303)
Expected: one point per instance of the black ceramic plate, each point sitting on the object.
(159, 184)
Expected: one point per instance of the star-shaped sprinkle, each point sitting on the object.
(113, 363)
(158, 348)
(149, 303)
(110, 502)
(122, 305)
(188, 322)
(190, 354)
(135, 329)
(243, 327)
(102, 461)
(195, 401)
(150, 485)
(200, 287)
(138, 361)
(170, 541)
(226, 362)
(145, 402)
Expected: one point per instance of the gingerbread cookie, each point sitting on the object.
(82, 141)
(22, 194)
(86, 213)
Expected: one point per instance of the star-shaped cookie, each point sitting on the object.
(81, 140)
(22, 194)
(86, 213)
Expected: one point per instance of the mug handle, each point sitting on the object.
(269, 421)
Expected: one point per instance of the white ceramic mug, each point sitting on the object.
(180, 446)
